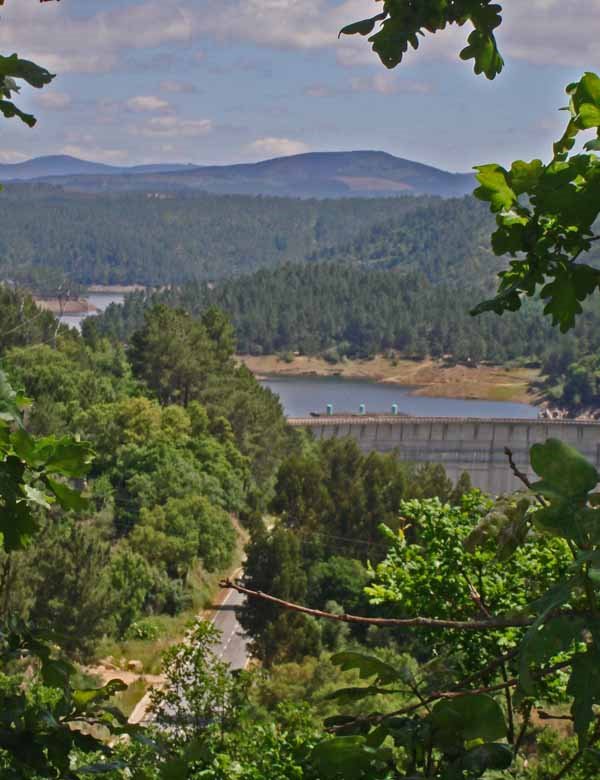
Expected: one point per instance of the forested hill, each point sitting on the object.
(137, 238)
(310, 175)
(341, 310)
(447, 242)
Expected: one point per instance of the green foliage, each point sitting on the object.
(574, 384)
(546, 215)
(152, 453)
(274, 565)
(330, 500)
(41, 732)
(438, 565)
(199, 690)
(21, 322)
(182, 360)
(173, 355)
(146, 629)
(563, 470)
(447, 563)
(130, 238)
(173, 536)
(31, 471)
(68, 379)
(161, 489)
(133, 579)
(11, 69)
(358, 313)
(402, 23)
(63, 585)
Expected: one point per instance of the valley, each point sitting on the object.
(299, 390)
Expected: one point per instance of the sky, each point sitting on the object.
(222, 81)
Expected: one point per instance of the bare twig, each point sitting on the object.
(521, 476)
(523, 729)
(477, 598)
(457, 694)
(495, 623)
(542, 715)
(4, 584)
(416, 622)
(494, 664)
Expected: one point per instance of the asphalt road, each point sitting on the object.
(233, 647)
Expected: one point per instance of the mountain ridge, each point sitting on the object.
(361, 173)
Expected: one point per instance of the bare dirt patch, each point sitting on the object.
(429, 377)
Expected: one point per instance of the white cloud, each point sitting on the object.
(278, 147)
(301, 24)
(95, 43)
(161, 126)
(386, 83)
(552, 32)
(92, 43)
(11, 156)
(147, 103)
(562, 32)
(319, 91)
(54, 101)
(177, 87)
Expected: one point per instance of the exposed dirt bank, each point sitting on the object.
(74, 306)
(117, 289)
(429, 377)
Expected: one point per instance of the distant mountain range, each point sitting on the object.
(311, 175)
(62, 165)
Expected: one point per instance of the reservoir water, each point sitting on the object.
(100, 300)
(302, 395)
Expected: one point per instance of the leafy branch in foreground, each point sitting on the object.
(403, 22)
(13, 69)
(546, 217)
(33, 472)
(461, 730)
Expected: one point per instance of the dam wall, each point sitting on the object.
(472, 445)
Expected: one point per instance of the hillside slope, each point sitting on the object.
(132, 238)
(311, 175)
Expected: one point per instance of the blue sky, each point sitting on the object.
(218, 81)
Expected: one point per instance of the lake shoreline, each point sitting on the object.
(72, 306)
(430, 378)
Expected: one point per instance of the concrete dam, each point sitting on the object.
(472, 445)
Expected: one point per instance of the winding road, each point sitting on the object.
(232, 647)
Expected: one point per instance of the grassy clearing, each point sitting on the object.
(205, 592)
